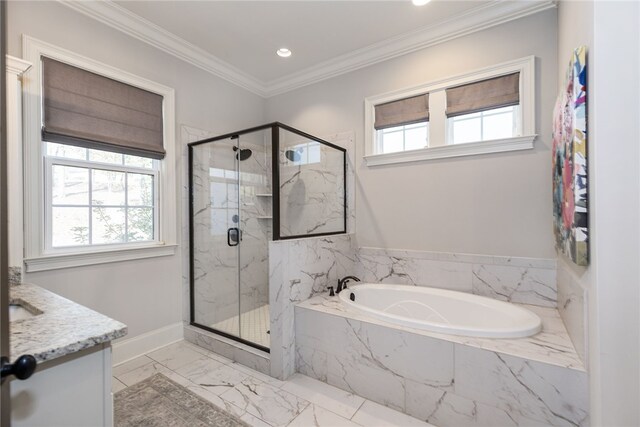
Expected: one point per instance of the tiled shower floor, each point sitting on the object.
(252, 325)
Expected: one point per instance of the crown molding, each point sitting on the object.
(486, 16)
(115, 16)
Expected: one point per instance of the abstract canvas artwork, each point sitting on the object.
(570, 200)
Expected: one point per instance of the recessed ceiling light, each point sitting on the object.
(420, 2)
(283, 52)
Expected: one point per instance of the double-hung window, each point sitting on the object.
(484, 111)
(99, 172)
(402, 125)
(96, 197)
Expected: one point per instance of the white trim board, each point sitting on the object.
(477, 19)
(130, 348)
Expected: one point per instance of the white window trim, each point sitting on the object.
(36, 258)
(50, 161)
(438, 148)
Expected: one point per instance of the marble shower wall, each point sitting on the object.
(220, 194)
(442, 382)
(188, 134)
(520, 280)
(312, 185)
(298, 270)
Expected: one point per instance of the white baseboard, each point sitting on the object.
(131, 348)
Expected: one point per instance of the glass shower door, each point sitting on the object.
(231, 228)
(216, 236)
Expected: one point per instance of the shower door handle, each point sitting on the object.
(233, 236)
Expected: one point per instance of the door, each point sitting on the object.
(216, 236)
(230, 231)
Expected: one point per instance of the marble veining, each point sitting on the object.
(520, 280)
(298, 270)
(572, 305)
(552, 345)
(444, 379)
(62, 328)
(312, 187)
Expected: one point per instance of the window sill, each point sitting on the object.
(447, 151)
(55, 262)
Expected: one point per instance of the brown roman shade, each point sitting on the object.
(484, 95)
(88, 110)
(402, 112)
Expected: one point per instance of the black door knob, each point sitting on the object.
(22, 368)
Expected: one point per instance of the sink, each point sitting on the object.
(18, 312)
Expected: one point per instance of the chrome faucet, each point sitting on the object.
(342, 283)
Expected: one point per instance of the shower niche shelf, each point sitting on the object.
(264, 195)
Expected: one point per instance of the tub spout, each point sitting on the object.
(342, 283)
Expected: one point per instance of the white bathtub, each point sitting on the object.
(440, 310)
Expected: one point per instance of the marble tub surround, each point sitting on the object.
(521, 280)
(443, 379)
(63, 327)
(551, 346)
(298, 270)
(572, 304)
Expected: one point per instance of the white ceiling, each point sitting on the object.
(246, 34)
(237, 40)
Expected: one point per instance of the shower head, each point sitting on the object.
(292, 155)
(244, 153)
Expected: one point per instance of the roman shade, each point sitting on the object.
(402, 112)
(89, 110)
(484, 95)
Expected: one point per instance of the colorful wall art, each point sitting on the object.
(570, 201)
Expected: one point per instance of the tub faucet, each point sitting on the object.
(342, 283)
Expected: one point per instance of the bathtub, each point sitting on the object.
(441, 310)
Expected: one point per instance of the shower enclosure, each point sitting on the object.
(246, 188)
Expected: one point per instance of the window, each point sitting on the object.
(483, 111)
(99, 162)
(304, 154)
(403, 138)
(96, 197)
(498, 123)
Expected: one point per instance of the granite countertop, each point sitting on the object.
(59, 326)
(552, 345)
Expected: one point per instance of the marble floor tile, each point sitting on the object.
(276, 407)
(323, 395)
(130, 365)
(259, 375)
(212, 375)
(373, 414)
(117, 385)
(257, 399)
(142, 373)
(315, 416)
(175, 356)
(210, 396)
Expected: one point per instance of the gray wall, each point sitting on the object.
(491, 204)
(144, 294)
